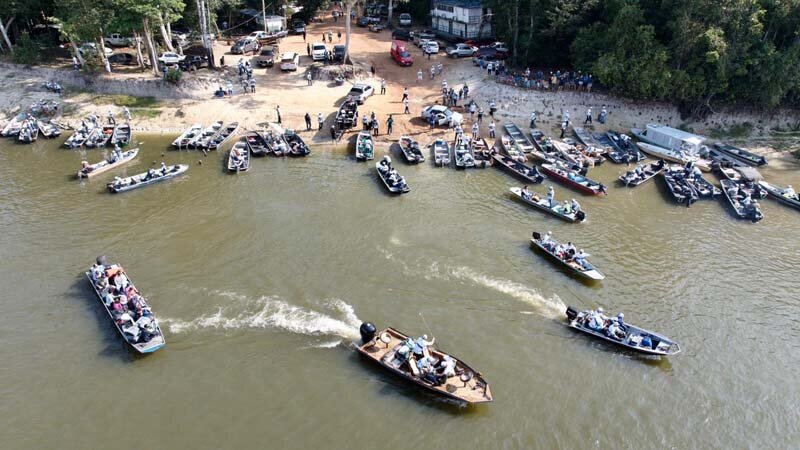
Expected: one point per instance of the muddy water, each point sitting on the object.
(262, 279)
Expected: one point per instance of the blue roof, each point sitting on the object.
(460, 3)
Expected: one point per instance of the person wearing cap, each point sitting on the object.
(597, 319)
(575, 206)
(621, 322)
(551, 194)
(422, 343)
(614, 331)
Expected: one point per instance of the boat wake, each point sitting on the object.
(271, 312)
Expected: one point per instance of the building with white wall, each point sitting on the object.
(461, 19)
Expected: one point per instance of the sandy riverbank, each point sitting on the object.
(193, 102)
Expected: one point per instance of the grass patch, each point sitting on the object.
(130, 101)
(147, 113)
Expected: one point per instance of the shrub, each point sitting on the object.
(174, 76)
(27, 50)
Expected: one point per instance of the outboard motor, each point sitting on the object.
(367, 331)
(536, 235)
(572, 313)
(580, 215)
(102, 260)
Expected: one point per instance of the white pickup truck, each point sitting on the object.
(117, 40)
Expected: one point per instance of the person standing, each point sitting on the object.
(365, 122)
(602, 116)
(252, 85)
(419, 76)
(320, 120)
(375, 127)
(383, 86)
(533, 120)
(339, 35)
(433, 72)
(432, 121)
(278, 111)
(588, 116)
(492, 128)
(563, 129)
(75, 65)
(111, 120)
(244, 85)
(492, 108)
(475, 130)
(407, 104)
(472, 110)
(439, 68)
(308, 77)
(405, 95)
(308, 122)
(480, 115)
(389, 124)
(304, 35)
(126, 113)
(230, 88)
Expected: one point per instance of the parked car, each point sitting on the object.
(500, 47)
(405, 20)
(318, 51)
(245, 45)
(460, 50)
(360, 92)
(494, 57)
(376, 27)
(417, 36)
(400, 53)
(430, 47)
(124, 59)
(421, 43)
(170, 58)
(363, 21)
(267, 56)
(298, 27)
(290, 61)
(442, 115)
(117, 40)
(401, 34)
(193, 62)
(338, 53)
(90, 48)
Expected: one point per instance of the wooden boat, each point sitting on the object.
(509, 148)
(543, 147)
(13, 126)
(741, 154)
(542, 204)
(202, 139)
(524, 172)
(779, 194)
(522, 142)
(632, 337)
(410, 149)
(675, 156)
(574, 180)
(92, 170)
(719, 159)
(144, 334)
(28, 131)
(681, 191)
(441, 152)
(587, 156)
(623, 149)
(121, 135)
(146, 178)
(744, 209)
(584, 137)
(257, 144)
(462, 153)
(482, 153)
(188, 136)
(225, 133)
(100, 137)
(632, 178)
(549, 246)
(48, 129)
(297, 147)
(365, 146)
(238, 158)
(395, 183)
(394, 351)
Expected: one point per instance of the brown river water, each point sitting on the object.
(261, 280)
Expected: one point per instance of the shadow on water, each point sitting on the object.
(395, 386)
(113, 344)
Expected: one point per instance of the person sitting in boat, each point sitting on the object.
(524, 193)
(421, 346)
(621, 322)
(96, 272)
(575, 206)
(426, 369)
(547, 240)
(570, 250)
(117, 307)
(639, 171)
(747, 201)
(151, 173)
(551, 194)
(597, 320)
(789, 192)
(614, 331)
(447, 367)
(580, 258)
(566, 207)
(121, 281)
(108, 296)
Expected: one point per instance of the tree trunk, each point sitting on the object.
(148, 42)
(101, 44)
(349, 6)
(164, 35)
(515, 30)
(76, 52)
(169, 30)
(391, 7)
(3, 29)
(139, 57)
(201, 11)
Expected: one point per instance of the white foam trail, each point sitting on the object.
(275, 313)
(331, 344)
(551, 306)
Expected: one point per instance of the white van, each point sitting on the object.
(318, 51)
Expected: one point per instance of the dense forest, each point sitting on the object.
(697, 53)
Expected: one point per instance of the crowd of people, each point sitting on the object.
(124, 302)
(423, 365)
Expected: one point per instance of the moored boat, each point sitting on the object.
(441, 152)
(786, 195)
(574, 180)
(121, 135)
(482, 153)
(188, 136)
(509, 148)
(273, 136)
(522, 171)
(202, 139)
(79, 137)
(424, 365)
(741, 154)
(225, 133)
(694, 178)
(642, 173)
(522, 143)
(297, 147)
(393, 181)
(257, 144)
(113, 161)
(239, 158)
(462, 153)
(676, 156)
(560, 210)
(127, 308)
(365, 146)
(543, 147)
(410, 149)
(567, 256)
(619, 332)
(623, 149)
(48, 129)
(152, 176)
(681, 191)
(28, 131)
(744, 206)
(746, 177)
(99, 137)
(13, 126)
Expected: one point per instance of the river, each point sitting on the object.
(261, 280)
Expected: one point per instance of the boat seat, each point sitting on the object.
(386, 339)
(465, 377)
